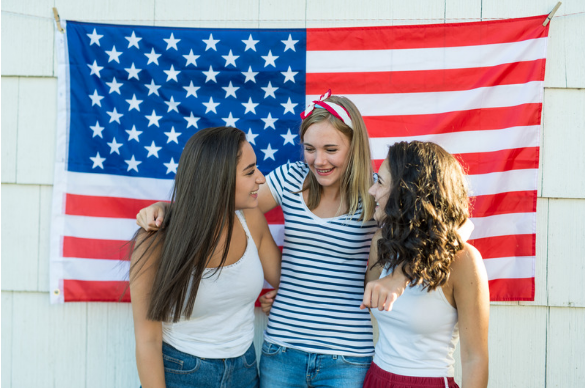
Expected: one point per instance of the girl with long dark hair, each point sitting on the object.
(317, 335)
(422, 203)
(194, 281)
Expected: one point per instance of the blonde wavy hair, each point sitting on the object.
(358, 177)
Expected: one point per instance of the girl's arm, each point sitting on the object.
(270, 255)
(150, 218)
(471, 294)
(148, 334)
(381, 293)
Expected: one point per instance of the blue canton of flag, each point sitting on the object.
(139, 93)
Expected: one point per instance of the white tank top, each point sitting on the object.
(222, 323)
(419, 335)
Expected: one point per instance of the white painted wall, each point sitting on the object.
(532, 344)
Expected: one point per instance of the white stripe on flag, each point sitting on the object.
(117, 186)
(502, 225)
(502, 182)
(351, 61)
(95, 269)
(510, 267)
(467, 142)
(394, 104)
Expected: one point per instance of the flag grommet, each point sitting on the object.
(56, 291)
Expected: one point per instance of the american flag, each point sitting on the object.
(131, 96)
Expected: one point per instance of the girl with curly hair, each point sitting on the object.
(422, 203)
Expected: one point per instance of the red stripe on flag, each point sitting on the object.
(503, 203)
(499, 161)
(469, 120)
(505, 246)
(87, 248)
(502, 290)
(425, 36)
(426, 81)
(95, 291)
(275, 216)
(112, 207)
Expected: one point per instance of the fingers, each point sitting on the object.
(367, 296)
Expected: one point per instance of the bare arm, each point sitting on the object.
(270, 255)
(471, 294)
(266, 201)
(381, 293)
(148, 334)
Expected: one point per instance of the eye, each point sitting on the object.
(251, 172)
(309, 149)
(331, 150)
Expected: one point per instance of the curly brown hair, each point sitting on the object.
(427, 204)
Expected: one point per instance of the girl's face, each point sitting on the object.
(380, 190)
(248, 179)
(326, 152)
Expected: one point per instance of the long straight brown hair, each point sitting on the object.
(202, 207)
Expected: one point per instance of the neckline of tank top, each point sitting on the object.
(248, 238)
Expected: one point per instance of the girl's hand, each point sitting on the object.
(382, 293)
(151, 218)
(267, 300)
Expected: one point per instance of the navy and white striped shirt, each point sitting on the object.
(322, 282)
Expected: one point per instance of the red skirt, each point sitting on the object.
(379, 378)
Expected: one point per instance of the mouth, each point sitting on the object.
(324, 172)
(254, 193)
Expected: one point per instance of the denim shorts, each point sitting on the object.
(282, 367)
(183, 370)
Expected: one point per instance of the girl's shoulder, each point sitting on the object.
(467, 265)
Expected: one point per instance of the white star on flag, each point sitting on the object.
(269, 121)
(152, 57)
(171, 166)
(289, 107)
(152, 150)
(133, 134)
(95, 69)
(153, 119)
(269, 152)
(191, 90)
(132, 164)
(96, 99)
(250, 43)
(269, 59)
(94, 38)
(250, 75)
(289, 137)
(269, 90)
(114, 86)
(210, 42)
(115, 146)
(133, 40)
(172, 42)
(97, 130)
(191, 58)
(211, 75)
(230, 121)
(114, 55)
(172, 105)
(115, 116)
(230, 59)
(192, 121)
(173, 136)
(172, 74)
(230, 90)
(97, 161)
(250, 106)
(134, 103)
(290, 43)
(153, 88)
(210, 105)
(133, 72)
(250, 136)
(289, 75)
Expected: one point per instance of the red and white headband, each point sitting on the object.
(336, 110)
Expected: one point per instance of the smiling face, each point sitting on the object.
(326, 152)
(248, 179)
(380, 190)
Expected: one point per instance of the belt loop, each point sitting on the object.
(335, 356)
(446, 382)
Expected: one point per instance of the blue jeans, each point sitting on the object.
(282, 367)
(184, 370)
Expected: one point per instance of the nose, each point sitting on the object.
(260, 179)
(320, 159)
(372, 190)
